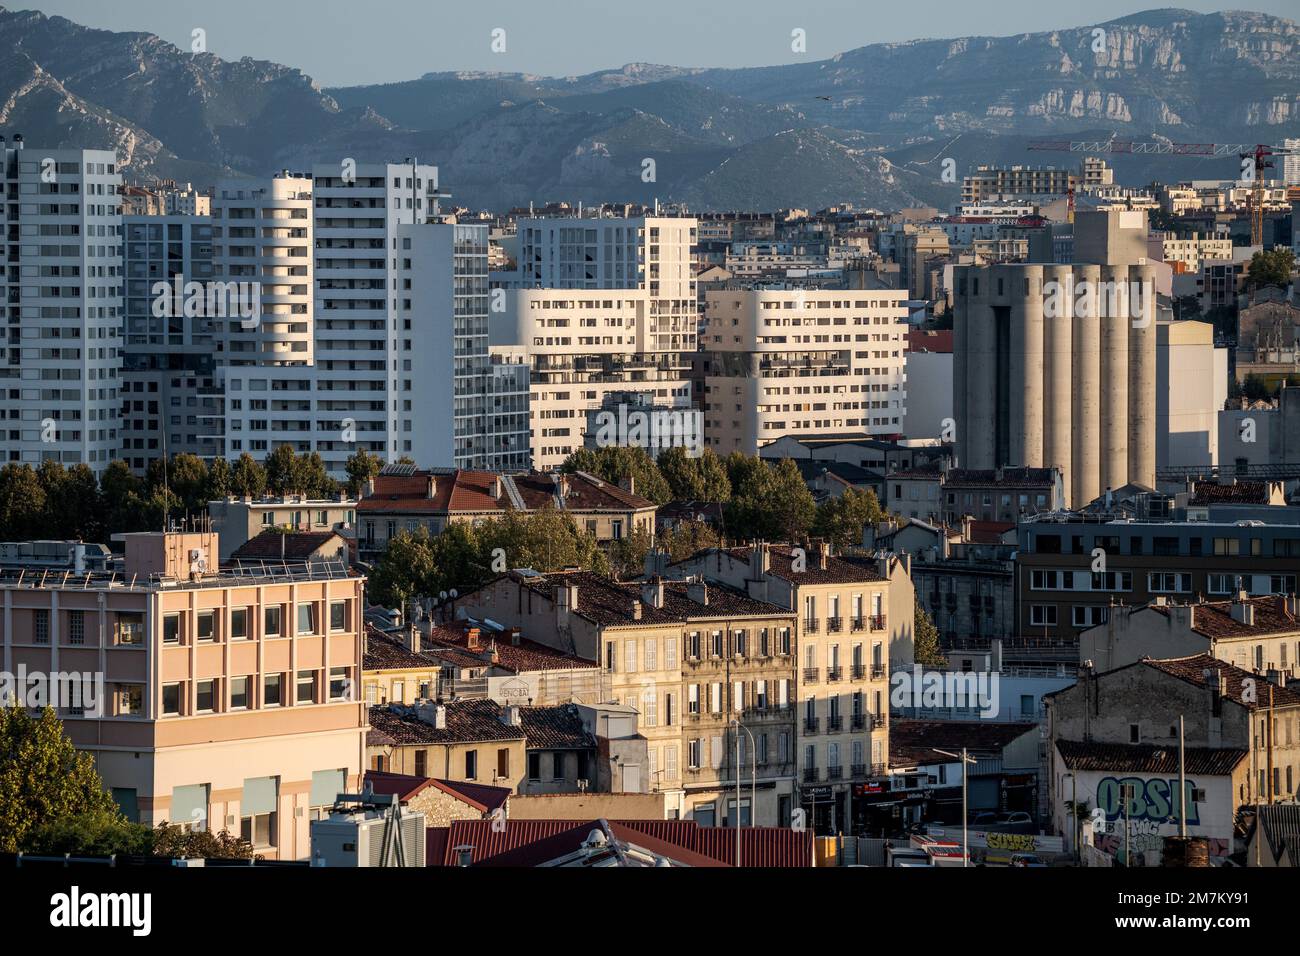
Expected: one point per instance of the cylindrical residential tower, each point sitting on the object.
(1085, 412)
(1114, 380)
(1026, 372)
(1058, 335)
(1142, 376)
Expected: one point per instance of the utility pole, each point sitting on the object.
(965, 815)
(1182, 781)
(751, 809)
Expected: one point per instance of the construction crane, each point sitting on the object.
(1258, 154)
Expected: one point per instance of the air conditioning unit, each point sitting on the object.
(198, 561)
(356, 837)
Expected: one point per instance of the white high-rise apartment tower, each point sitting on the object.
(62, 291)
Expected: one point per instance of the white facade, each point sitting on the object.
(803, 361)
(1191, 389)
(597, 306)
(63, 306)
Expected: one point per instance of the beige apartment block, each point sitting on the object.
(690, 657)
(853, 615)
(806, 361)
(239, 520)
(228, 699)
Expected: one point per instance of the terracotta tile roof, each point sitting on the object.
(460, 491)
(1201, 669)
(840, 569)
(989, 532)
(298, 546)
(1214, 618)
(527, 655)
(608, 602)
(533, 842)
(919, 473)
(467, 721)
(386, 652)
(1281, 824)
(911, 742)
(1145, 758)
(938, 340)
(557, 727)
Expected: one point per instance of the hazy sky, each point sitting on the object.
(344, 42)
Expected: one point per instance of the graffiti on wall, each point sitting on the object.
(1150, 801)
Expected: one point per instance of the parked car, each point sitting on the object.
(984, 818)
(1026, 859)
(1018, 816)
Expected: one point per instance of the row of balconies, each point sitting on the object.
(812, 675)
(856, 771)
(835, 724)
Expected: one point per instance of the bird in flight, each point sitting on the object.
(826, 98)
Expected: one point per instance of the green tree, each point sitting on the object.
(282, 473)
(616, 464)
(174, 841)
(42, 777)
(311, 478)
(694, 479)
(716, 486)
(1271, 267)
(93, 833)
(405, 570)
(22, 503)
(686, 538)
(361, 467)
(75, 507)
(122, 494)
(220, 480)
(187, 477)
(841, 519)
(627, 555)
(925, 640)
(248, 480)
(792, 506)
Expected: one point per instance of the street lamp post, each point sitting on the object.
(753, 780)
(965, 841)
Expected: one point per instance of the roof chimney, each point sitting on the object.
(636, 610)
(698, 592)
(652, 592)
(566, 599)
(515, 634)
(412, 641)
(510, 715)
(471, 638)
(760, 561)
(1243, 611)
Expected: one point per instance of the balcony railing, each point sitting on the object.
(834, 673)
(810, 774)
(857, 623)
(812, 725)
(877, 721)
(811, 675)
(834, 724)
(859, 671)
(877, 671)
(877, 622)
(858, 770)
(810, 626)
(834, 773)
(858, 721)
(832, 625)
(877, 770)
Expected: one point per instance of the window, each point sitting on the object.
(557, 765)
(1135, 733)
(693, 754)
(471, 764)
(130, 628)
(651, 654)
(189, 808)
(306, 618)
(171, 700)
(239, 624)
(76, 627)
(1088, 616)
(239, 693)
(534, 766)
(205, 696)
(273, 690)
(207, 625)
(1042, 615)
(257, 808)
(340, 684)
(421, 763)
(693, 700)
(629, 656)
(715, 697)
(338, 615)
(171, 629)
(670, 653)
(1027, 708)
(271, 621)
(306, 687)
(503, 763)
(130, 700)
(1169, 582)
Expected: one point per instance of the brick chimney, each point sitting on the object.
(636, 610)
(472, 638)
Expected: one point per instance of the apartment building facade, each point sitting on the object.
(694, 660)
(170, 398)
(1059, 594)
(228, 700)
(598, 306)
(812, 362)
(62, 290)
(853, 615)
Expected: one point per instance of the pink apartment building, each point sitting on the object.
(228, 698)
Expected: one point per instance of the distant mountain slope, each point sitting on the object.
(870, 125)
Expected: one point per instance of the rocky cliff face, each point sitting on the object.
(860, 126)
